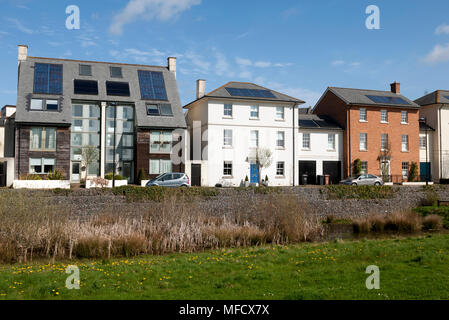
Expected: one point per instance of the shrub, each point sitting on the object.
(141, 176)
(443, 212)
(246, 179)
(430, 199)
(30, 177)
(432, 222)
(110, 175)
(413, 172)
(56, 175)
(402, 222)
(357, 167)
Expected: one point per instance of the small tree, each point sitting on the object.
(357, 167)
(89, 155)
(413, 172)
(142, 175)
(264, 158)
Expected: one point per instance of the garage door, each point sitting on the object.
(308, 168)
(332, 168)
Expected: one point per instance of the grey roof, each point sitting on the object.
(314, 121)
(221, 92)
(439, 96)
(424, 126)
(101, 73)
(359, 97)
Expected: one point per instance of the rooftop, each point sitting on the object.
(438, 96)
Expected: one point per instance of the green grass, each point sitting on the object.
(410, 268)
(442, 211)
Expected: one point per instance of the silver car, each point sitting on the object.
(363, 180)
(170, 180)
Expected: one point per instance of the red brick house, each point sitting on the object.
(381, 128)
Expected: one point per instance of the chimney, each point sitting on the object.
(200, 88)
(396, 87)
(438, 96)
(172, 65)
(23, 52)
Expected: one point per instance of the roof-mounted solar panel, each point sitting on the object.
(388, 100)
(256, 93)
(114, 88)
(47, 78)
(307, 123)
(152, 85)
(447, 97)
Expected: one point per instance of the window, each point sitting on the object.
(166, 110)
(384, 116)
(36, 104)
(363, 116)
(404, 117)
(227, 111)
(77, 110)
(364, 167)
(152, 85)
(306, 140)
(363, 142)
(227, 168)
(254, 139)
(280, 141)
(384, 142)
(47, 78)
(44, 105)
(51, 105)
(404, 143)
(160, 166)
(279, 113)
(160, 141)
(404, 169)
(89, 87)
(227, 138)
(152, 110)
(42, 165)
(422, 142)
(116, 72)
(280, 168)
(85, 70)
(43, 139)
(254, 112)
(114, 88)
(331, 141)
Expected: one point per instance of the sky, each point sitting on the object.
(296, 47)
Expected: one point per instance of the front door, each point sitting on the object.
(424, 170)
(385, 170)
(76, 171)
(254, 173)
(128, 171)
(196, 175)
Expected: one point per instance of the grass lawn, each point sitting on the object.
(410, 268)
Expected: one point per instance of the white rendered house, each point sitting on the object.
(319, 148)
(228, 125)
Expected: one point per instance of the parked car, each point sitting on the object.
(363, 180)
(170, 180)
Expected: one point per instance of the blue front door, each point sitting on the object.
(254, 172)
(424, 170)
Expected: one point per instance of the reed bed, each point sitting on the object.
(33, 228)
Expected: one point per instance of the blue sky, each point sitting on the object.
(296, 47)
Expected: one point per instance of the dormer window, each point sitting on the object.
(116, 72)
(85, 70)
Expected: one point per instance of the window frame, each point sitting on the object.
(159, 108)
(306, 146)
(362, 165)
(333, 146)
(252, 145)
(406, 117)
(44, 105)
(43, 139)
(42, 165)
(365, 147)
(160, 142)
(227, 167)
(383, 113)
(405, 143)
(405, 166)
(423, 146)
(160, 166)
(280, 170)
(85, 65)
(115, 68)
(382, 147)
(278, 113)
(251, 111)
(363, 112)
(227, 141)
(278, 146)
(226, 108)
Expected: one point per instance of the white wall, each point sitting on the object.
(422, 152)
(319, 151)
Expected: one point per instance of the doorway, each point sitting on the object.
(196, 175)
(254, 173)
(76, 171)
(308, 168)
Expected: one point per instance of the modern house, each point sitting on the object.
(426, 147)
(319, 148)
(228, 128)
(381, 128)
(130, 113)
(7, 127)
(435, 111)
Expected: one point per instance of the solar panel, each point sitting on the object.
(447, 97)
(114, 88)
(152, 85)
(324, 124)
(257, 93)
(85, 87)
(166, 110)
(388, 100)
(47, 78)
(307, 124)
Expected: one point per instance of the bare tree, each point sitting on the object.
(89, 155)
(264, 158)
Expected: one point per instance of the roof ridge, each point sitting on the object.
(105, 62)
(386, 91)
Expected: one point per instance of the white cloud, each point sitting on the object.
(139, 56)
(161, 10)
(338, 62)
(222, 65)
(262, 64)
(243, 62)
(440, 53)
(442, 29)
(245, 74)
(19, 25)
